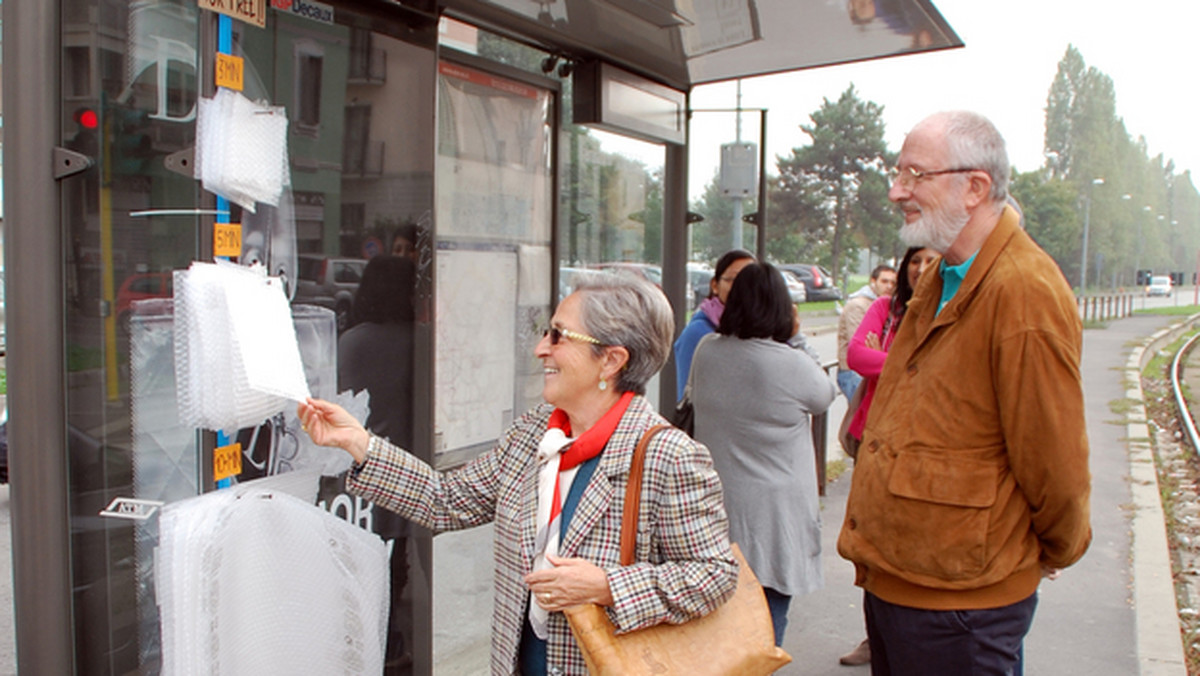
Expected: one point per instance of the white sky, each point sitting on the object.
(1004, 72)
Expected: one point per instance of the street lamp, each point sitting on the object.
(1087, 216)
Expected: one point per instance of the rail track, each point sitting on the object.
(1187, 415)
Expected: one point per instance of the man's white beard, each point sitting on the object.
(936, 228)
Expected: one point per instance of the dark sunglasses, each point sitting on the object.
(556, 334)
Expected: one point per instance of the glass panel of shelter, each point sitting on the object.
(360, 100)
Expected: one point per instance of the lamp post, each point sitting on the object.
(1087, 217)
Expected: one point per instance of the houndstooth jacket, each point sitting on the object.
(684, 568)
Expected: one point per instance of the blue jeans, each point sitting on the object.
(848, 381)
(914, 642)
(778, 603)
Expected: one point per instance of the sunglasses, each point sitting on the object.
(556, 334)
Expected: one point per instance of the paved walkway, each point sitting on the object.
(1085, 622)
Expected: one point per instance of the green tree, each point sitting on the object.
(821, 185)
(1051, 217)
(711, 237)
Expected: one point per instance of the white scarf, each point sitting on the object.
(550, 449)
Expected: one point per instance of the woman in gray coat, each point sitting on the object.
(753, 396)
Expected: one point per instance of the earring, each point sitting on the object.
(603, 384)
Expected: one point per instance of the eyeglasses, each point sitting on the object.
(556, 334)
(898, 176)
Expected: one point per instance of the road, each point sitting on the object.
(829, 622)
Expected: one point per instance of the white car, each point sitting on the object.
(796, 288)
(1160, 285)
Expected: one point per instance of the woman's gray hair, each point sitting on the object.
(624, 311)
(974, 142)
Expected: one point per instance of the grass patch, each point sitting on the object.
(1095, 324)
(84, 358)
(1161, 361)
(1122, 407)
(818, 307)
(3, 381)
(1180, 310)
(834, 469)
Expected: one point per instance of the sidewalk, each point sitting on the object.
(1085, 621)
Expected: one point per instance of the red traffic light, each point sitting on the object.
(87, 118)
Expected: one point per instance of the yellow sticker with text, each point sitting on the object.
(227, 461)
(230, 71)
(227, 239)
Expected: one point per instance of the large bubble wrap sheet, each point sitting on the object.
(255, 581)
(241, 149)
(237, 361)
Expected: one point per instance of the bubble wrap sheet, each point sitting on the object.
(254, 581)
(241, 149)
(237, 361)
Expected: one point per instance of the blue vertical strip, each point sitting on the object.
(224, 34)
(223, 440)
(225, 46)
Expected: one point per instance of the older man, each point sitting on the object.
(883, 283)
(972, 479)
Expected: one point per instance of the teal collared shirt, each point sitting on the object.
(952, 278)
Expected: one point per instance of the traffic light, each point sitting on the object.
(87, 124)
(131, 147)
(1143, 277)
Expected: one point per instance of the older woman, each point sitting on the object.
(708, 313)
(555, 484)
(753, 395)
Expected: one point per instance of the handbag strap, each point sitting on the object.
(633, 495)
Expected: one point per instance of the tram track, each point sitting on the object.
(1186, 409)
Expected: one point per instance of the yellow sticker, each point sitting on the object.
(230, 71)
(227, 461)
(249, 11)
(227, 239)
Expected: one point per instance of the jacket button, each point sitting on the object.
(852, 523)
(912, 369)
(874, 445)
(555, 671)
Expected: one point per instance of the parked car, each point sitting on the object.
(796, 288)
(566, 281)
(699, 278)
(1160, 285)
(647, 271)
(817, 281)
(3, 321)
(141, 286)
(329, 281)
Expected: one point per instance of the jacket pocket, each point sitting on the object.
(940, 513)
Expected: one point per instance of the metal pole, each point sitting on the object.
(761, 244)
(675, 254)
(736, 224)
(41, 554)
(1087, 216)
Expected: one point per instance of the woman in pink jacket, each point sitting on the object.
(870, 344)
(865, 354)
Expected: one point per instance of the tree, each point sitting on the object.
(1051, 218)
(831, 187)
(711, 237)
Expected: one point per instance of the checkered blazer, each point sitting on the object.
(684, 568)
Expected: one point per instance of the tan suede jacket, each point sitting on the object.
(973, 468)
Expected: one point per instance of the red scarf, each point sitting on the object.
(588, 445)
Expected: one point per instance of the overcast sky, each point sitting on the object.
(1004, 71)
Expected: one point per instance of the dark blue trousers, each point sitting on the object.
(913, 642)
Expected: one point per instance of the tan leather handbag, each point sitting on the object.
(849, 442)
(736, 638)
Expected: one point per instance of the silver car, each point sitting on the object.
(796, 288)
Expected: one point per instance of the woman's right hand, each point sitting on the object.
(872, 341)
(330, 425)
